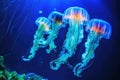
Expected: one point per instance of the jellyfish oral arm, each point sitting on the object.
(81, 32)
(38, 35)
(52, 36)
(50, 41)
(55, 64)
(68, 48)
(91, 44)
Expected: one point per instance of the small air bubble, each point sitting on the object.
(41, 12)
(54, 9)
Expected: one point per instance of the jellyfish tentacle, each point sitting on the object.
(68, 51)
(50, 41)
(61, 60)
(35, 46)
(78, 69)
(91, 44)
(55, 64)
(52, 46)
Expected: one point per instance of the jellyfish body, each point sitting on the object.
(97, 29)
(56, 23)
(43, 28)
(76, 17)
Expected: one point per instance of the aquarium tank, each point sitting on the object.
(59, 39)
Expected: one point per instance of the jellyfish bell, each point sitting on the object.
(43, 23)
(56, 17)
(99, 27)
(42, 20)
(75, 15)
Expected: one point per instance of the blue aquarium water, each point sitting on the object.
(59, 39)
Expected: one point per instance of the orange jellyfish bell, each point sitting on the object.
(100, 27)
(75, 14)
(56, 17)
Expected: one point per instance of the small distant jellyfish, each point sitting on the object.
(43, 28)
(56, 24)
(97, 29)
(76, 18)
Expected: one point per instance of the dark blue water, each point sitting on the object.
(17, 27)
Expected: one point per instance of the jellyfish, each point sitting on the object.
(56, 24)
(43, 28)
(97, 29)
(76, 18)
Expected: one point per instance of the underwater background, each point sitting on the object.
(17, 28)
